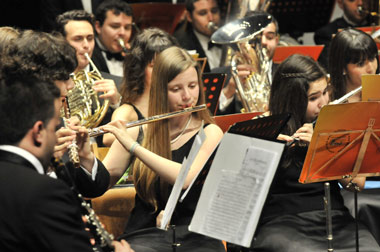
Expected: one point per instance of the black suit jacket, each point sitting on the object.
(99, 60)
(82, 181)
(37, 213)
(187, 39)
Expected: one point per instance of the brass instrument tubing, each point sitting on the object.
(97, 131)
(212, 26)
(372, 13)
(92, 64)
(122, 45)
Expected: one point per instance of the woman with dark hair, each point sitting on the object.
(293, 218)
(176, 84)
(352, 54)
(137, 76)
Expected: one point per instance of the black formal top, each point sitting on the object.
(143, 214)
(288, 196)
(187, 39)
(37, 213)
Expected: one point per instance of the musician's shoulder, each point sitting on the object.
(125, 112)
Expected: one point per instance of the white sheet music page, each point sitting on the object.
(236, 188)
(178, 185)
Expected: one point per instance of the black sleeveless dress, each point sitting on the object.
(141, 231)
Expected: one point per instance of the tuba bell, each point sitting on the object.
(83, 99)
(245, 36)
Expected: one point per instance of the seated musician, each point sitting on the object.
(293, 217)
(195, 33)
(38, 212)
(114, 21)
(77, 26)
(352, 17)
(137, 71)
(229, 102)
(52, 59)
(175, 85)
(354, 53)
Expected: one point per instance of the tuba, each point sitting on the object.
(83, 100)
(245, 35)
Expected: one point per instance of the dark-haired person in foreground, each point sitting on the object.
(38, 212)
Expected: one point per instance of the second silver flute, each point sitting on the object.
(97, 131)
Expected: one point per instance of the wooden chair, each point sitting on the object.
(114, 207)
(100, 152)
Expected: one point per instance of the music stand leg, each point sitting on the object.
(356, 217)
(174, 244)
(329, 232)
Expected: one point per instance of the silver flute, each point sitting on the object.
(97, 131)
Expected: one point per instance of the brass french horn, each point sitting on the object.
(83, 100)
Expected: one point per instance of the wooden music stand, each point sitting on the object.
(345, 144)
(213, 84)
(202, 62)
(346, 137)
(282, 52)
(162, 15)
(371, 87)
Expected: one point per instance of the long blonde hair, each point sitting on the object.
(168, 64)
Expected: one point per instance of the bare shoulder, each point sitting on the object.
(125, 112)
(213, 130)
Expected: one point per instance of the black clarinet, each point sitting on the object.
(103, 239)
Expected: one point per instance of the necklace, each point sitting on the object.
(183, 131)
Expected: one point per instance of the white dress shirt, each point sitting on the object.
(213, 55)
(37, 164)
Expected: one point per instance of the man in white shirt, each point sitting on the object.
(352, 17)
(77, 27)
(197, 35)
(113, 25)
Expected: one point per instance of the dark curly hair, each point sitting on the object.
(40, 55)
(143, 50)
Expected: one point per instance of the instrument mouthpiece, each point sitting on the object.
(212, 26)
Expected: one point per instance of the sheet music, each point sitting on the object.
(178, 185)
(236, 188)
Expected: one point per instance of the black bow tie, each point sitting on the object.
(116, 56)
(211, 45)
